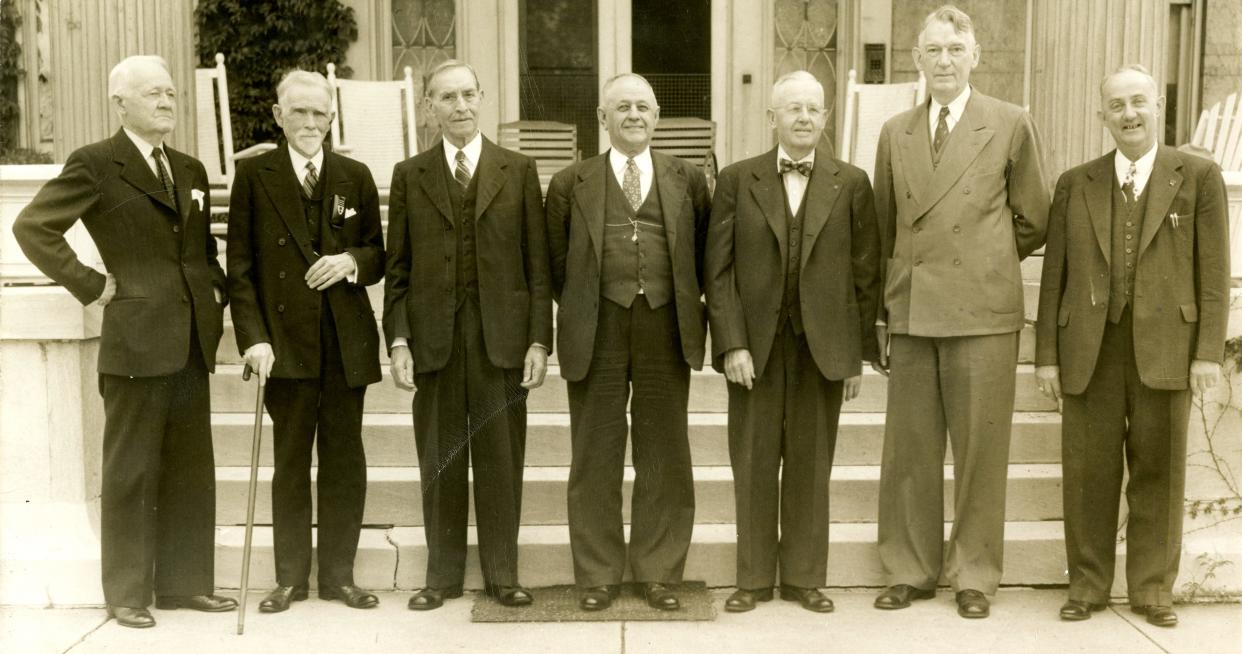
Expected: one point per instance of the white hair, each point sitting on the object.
(121, 79)
(298, 77)
(611, 81)
(795, 76)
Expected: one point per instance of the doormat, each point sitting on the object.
(560, 604)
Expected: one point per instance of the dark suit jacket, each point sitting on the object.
(576, 239)
(953, 235)
(164, 261)
(1181, 284)
(511, 253)
(839, 280)
(270, 251)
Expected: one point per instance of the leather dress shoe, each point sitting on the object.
(597, 598)
(208, 603)
(810, 598)
(353, 596)
(743, 600)
(660, 597)
(509, 595)
(1161, 616)
(281, 596)
(972, 604)
(1077, 610)
(130, 617)
(900, 596)
(432, 598)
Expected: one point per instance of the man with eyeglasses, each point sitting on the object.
(468, 318)
(962, 197)
(792, 275)
(626, 231)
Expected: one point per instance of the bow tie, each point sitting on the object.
(803, 167)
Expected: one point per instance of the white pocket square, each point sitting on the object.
(350, 212)
(197, 195)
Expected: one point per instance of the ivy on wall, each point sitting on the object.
(10, 73)
(261, 40)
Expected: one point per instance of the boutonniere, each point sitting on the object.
(197, 195)
(338, 205)
(1175, 219)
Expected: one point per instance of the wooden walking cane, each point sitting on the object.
(254, 482)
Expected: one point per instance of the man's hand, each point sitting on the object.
(108, 292)
(881, 339)
(852, 387)
(1204, 376)
(402, 367)
(328, 270)
(739, 367)
(536, 367)
(1049, 380)
(260, 358)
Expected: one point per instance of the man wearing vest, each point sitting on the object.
(792, 269)
(1133, 307)
(626, 231)
(468, 318)
(305, 241)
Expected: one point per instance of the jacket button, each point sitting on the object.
(176, 228)
(919, 262)
(280, 241)
(280, 308)
(966, 191)
(908, 196)
(957, 229)
(917, 230)
(282, 274)
(448, 258)
(957, 262)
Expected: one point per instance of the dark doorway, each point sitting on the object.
(672, 48)
(560, 66)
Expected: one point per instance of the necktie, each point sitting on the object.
(803, 167)
(165, 178)
(633, 190)
(461, 173)
(310, 181)
(942, 130)
(1127, 187)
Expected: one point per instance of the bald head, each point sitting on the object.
(1137, 72)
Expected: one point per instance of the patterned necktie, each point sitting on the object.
(1127, 187)
(165, 179)
(633, 190)
(461, 173)
(803, 167)
(310, 181)
(942, 130)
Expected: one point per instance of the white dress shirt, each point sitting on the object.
(1142, 169)
(299, 164)
(795, 182)
(956, 107)
(473, 149)
(646, 171)
(146, 149)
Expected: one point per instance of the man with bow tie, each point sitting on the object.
(1133, 307)
(792, 277)
(304, 243)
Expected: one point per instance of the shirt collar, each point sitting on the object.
(643, 160)
(781, 154)
(143, 146)
(299, 161)
(1142, 166)
(956, 106)
(473, 148)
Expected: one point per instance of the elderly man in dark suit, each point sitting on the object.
(793, 278)
(626, 230)
(145, 206)
(961, 197)
(1133, 307)
(304, 243)
(468, 317)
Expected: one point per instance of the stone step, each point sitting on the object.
(396, 558)
(229, 394)
(389, 439)
(394, 495)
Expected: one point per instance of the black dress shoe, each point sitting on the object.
(660, 597)
(810, 598)
(281, 596)
(353, 596)
(597, 598)
(899, 596)
(509, 595)
(208, 603)
(1077, 610)
(1161, 616)
(972, 604)
(130, 617)
(432, 598)
(743, 600)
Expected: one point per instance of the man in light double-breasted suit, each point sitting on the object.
(961, 197)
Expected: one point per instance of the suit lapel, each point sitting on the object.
(822, 191)
(135, 170)
(491, 173)
(1098, 194)
(434, 182)
(671, 185)
(589, 198)
(769, 193)
(281, 185)
(1163, 185)
(182, 173)
(967, 140)
(915, 148)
